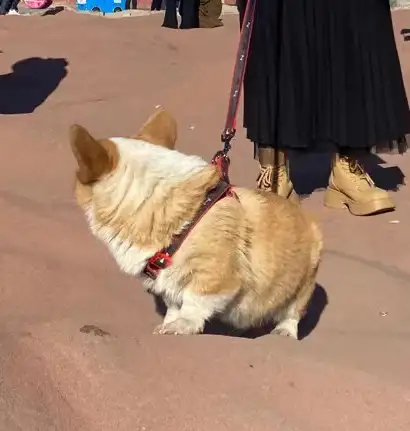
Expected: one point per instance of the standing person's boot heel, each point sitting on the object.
(274, 175)
(350, 186)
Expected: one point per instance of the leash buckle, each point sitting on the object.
(157, 262)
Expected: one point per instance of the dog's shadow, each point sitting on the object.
(30, 83)
(317, 305)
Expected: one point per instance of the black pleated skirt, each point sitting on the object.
(324, 73)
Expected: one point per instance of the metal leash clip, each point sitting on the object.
(226, 139)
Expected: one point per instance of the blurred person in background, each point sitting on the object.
(194, 13)
(209, 13)
(188, 10)
(9, 7)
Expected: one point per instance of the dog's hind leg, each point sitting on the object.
(196, 309)
(172, 313)
(288, 325)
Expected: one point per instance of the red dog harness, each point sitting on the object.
(163, 258)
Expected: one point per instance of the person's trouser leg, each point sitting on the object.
(189, 14)
(156, 5)
(170, 19)
(5, 6)
(14, 4)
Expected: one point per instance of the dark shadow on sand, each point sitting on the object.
(310, 172)
(30, 83)
(51, 11)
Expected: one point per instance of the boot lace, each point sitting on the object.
(270, 178)
(359, 173)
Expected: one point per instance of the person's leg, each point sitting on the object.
(372, 112)
(170, 19)
(5, 6)
(350, 186)
(274, 172)
(14, 7)
(156, 5)
(189, 14)
(268, 80)
(209, 13)
(375, 115)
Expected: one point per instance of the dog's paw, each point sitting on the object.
(178, 327)
(284, 332)
(287, 328)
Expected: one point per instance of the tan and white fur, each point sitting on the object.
(247, 262)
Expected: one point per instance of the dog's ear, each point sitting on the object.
(94, 157)
(160, 129)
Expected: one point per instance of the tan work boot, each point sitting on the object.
(273, 174)
(350, 186)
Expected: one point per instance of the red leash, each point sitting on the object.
(221, 158)
(163, 258)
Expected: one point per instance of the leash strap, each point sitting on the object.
(238, 75)
(163, 259)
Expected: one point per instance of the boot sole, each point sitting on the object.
(337, 200)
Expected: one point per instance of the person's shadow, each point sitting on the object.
(29, 84)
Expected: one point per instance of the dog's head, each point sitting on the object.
(138, 191)
(98, 158)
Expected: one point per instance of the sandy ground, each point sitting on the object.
(350, 372)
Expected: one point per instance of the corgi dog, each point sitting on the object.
(251, 260)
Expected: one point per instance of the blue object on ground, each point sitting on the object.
(105, 6)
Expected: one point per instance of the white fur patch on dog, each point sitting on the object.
(130, 259)
(142, 167)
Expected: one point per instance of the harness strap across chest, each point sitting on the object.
(163, 258)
